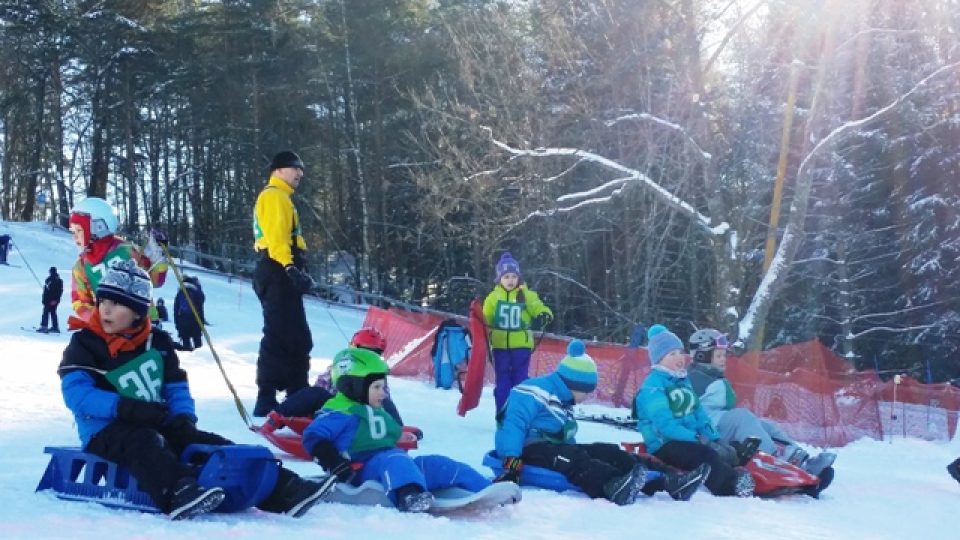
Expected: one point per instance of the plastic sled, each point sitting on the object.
(247, 474)
(540, 477)
(291, 440)
(773, 476)
(447, 500)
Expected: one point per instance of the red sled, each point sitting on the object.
(473, 381)
(773, 476)
(291, 440)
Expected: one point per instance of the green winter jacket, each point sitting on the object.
(508, 315)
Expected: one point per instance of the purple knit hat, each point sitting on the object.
(507, 265)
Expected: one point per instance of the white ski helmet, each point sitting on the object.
(103, 217)
(704, 341)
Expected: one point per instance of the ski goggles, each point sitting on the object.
(721, 341)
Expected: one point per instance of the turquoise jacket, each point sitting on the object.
(668, 409)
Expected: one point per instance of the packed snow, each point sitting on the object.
(883, 489)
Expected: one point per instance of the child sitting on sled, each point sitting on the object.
(674, 426)
(537, 427)
(355, 439)
(132, 405)
(706, 373)
(308, 401)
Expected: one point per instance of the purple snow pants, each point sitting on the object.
(511, 367)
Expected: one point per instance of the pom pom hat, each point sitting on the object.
(507, 265)
(577, 369)
(662, 341)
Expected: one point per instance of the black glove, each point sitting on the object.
(182, 422)
(161, 237)
(511, 470)
(149, 413)
(301, 280)
(543, 319)
(330, 459)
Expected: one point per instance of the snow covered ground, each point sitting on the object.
(882, 490)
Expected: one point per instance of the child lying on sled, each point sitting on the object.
(537, 427)
(355, 439)
(132, 405)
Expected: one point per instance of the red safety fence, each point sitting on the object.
(807, 388)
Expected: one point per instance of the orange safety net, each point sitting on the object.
(808, 389)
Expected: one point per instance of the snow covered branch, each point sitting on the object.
(702, 154)
(629, 175)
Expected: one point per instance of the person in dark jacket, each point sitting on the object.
(4, 247)
(132, 405)
(52, 294)
(162, 314)
(188, 327)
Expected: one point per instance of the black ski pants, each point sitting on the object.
(284, 360)
(690, 455)
(151, 455)
(587, 466)
(307, 401)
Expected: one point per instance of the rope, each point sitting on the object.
(206, 335)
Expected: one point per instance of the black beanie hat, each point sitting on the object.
(53, 270)
(286, 158)
(127, 284)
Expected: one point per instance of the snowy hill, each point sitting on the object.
(883, 489)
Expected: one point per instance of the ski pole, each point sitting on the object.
(206, 335)
(28, 264)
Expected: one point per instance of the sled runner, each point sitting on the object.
(247, 474)
(472, 385)
(447, 500)
(291, 440)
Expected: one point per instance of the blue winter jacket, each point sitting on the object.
(538, 409)
(669, 410)
(93, 399)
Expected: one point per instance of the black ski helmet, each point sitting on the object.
(704, 341)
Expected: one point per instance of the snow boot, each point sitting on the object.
(746, 449)
(816, 465)
(411, 498)
(682, 486)
(798, 456)
(189, 499)
(54, 330)
(954, 469)
(266, 402)
(744, 485)
(42, 330)
(294, 496)
(623, 490)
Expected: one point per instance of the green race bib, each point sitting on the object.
(140, 378)
(507, 316)
(377, 429)
(683, 401)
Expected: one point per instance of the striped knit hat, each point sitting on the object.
(127, 284)
(577, 369)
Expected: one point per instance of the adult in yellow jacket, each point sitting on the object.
(509, 310)
(280, 280)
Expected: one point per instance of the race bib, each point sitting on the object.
(507, 316)
(683, 401)
(140, 378)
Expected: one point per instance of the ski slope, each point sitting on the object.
(883, 489)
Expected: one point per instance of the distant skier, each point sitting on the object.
(52, 294)
(5, 244)
(162, 314)
(188, 327)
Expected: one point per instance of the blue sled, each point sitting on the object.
(247, 474)
(539, 476)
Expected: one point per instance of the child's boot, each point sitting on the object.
(682, 486)
(294, 496)
(623, 490)
(189, 499)
(412, 498)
